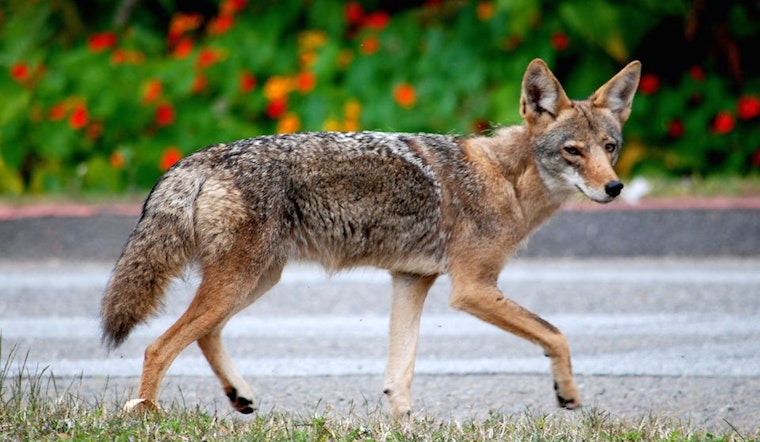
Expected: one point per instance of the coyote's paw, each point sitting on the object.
(141, 406)
(567, 398)
(240, 403)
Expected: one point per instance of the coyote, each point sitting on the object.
(418, 205)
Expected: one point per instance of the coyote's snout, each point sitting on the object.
(418, 205)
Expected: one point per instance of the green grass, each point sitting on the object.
(34, 406)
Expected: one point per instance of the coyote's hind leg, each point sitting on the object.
(235, 387)
(221, 291)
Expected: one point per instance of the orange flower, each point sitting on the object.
(79, 117)
(288, 124)
(182, 23)
(123, 56)
(277, 87)
(246, 82)
(102, 41)
(20, 72)
(484, 10)
(220, 25)
(405, 95)
(170, 157)
(352, 109)
(305, 82)
(230, 7)
(152, 91)
(165, 115)
(370, 45)
(117, 160)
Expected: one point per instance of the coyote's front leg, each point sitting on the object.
(409, 293)
(486, 302)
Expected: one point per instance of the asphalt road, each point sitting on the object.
(673, 336)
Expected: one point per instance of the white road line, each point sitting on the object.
(745, 272)
(452, 325)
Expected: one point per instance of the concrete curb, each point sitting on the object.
(696, 227)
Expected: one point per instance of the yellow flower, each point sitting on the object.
(288, 124)
(332, 125)
(310, 40)
(352, 109)
(345, 57)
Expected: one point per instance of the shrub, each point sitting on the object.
(107, 98)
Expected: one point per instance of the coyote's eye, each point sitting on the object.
(572, 150)
(610, 147)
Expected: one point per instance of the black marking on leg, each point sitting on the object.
(243, 405)
(232, 394)
(387, 391)
(564, 402)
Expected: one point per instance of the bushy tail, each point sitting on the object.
(158, 250)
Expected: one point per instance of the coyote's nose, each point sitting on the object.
(613, 188)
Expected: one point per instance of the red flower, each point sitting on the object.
(723, 123)
(207, 57)
(405, 95)
(79, 117)
(170, 156)
(675, 129)
(164, 115)
(57, 112)
(152, 91)
(20, 72)
(220, 25)
(377, 20)
(756, 159)
(94, 130)
(183, 48)
(200, 82)
(305, 82)
(560, 41)
(748, 107)
(102, 41)
(277, 107)
(697, 73)
(354, 13)
(649, 84)
(246, 82)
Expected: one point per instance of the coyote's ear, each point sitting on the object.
(541, 93)
(617, 94)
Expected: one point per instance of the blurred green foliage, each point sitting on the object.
(104, 96)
